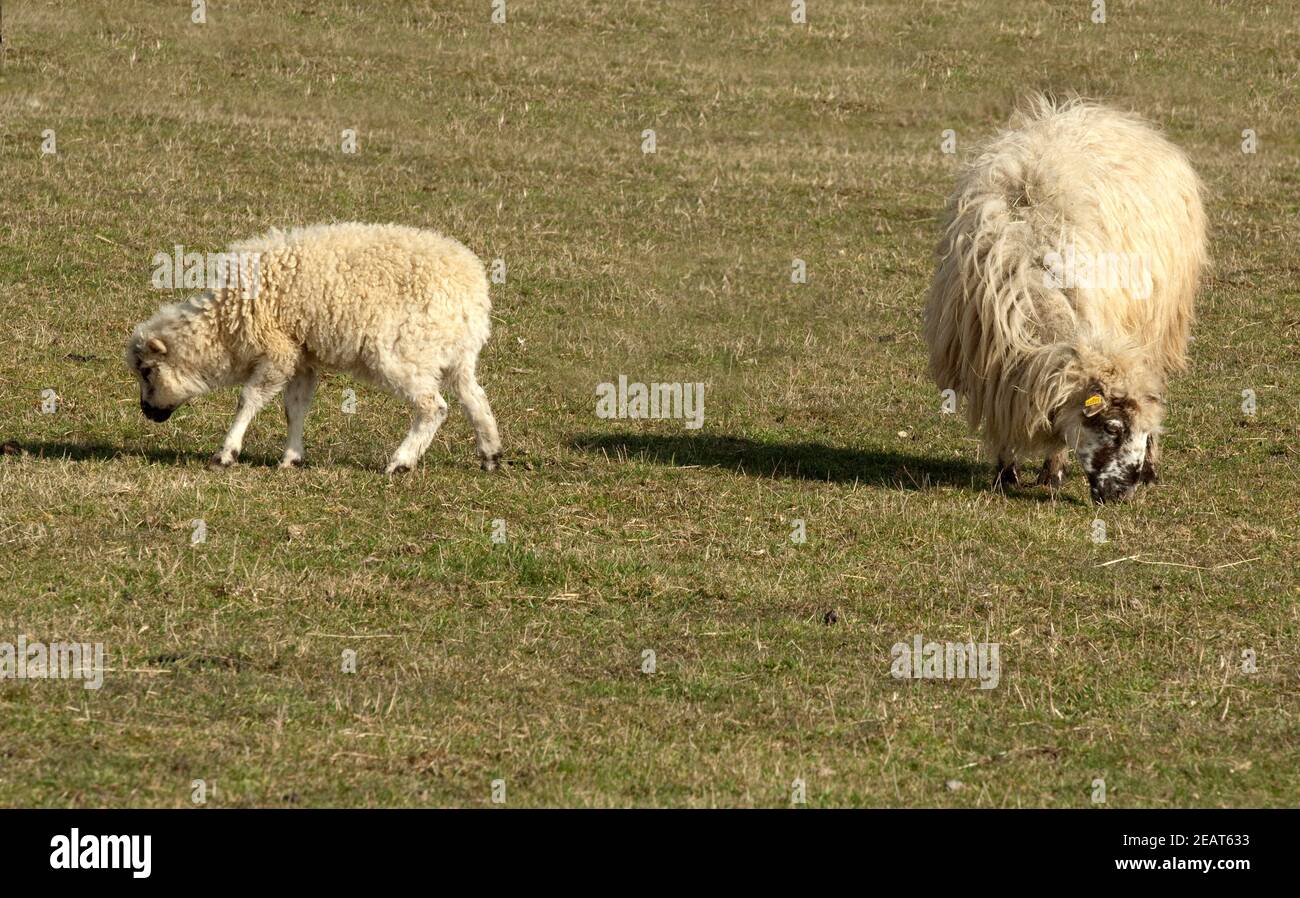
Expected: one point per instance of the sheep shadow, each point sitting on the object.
(804, 461)
(55, 450)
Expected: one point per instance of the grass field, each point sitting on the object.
(523, 661)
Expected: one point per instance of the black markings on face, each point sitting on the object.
(1112, 466)
(1108, 430)
(146, 373)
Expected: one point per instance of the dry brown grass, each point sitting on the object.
(523, 661)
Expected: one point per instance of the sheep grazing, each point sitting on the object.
(404, 308)
(1063, 296)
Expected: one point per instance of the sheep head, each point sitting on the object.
(1111, 419)
(172, 360)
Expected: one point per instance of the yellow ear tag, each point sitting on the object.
(1092, 405)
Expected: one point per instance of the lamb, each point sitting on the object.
(404, 308)
(1063, 298)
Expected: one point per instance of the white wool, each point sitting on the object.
(1023, 351)
(404, 308)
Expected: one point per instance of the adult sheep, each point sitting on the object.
(1063, 297)
(401, 307)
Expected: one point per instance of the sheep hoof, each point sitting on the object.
(397, 469)
(1008, 475)
(1052, 475)
(223, 459)
(291, 463)
(1052, 479)
(490, 462)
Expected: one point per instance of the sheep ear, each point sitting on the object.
(1095, 401)
(158, 346)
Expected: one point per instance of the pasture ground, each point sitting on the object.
(523, 661)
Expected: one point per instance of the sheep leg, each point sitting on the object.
(297, 399)
(1148, 474)
(475, 402)
(1053, 473)
(428, 411)
(1008, 474)
(260, 389)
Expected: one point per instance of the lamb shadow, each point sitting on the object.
(804, 461)
(105, 452)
